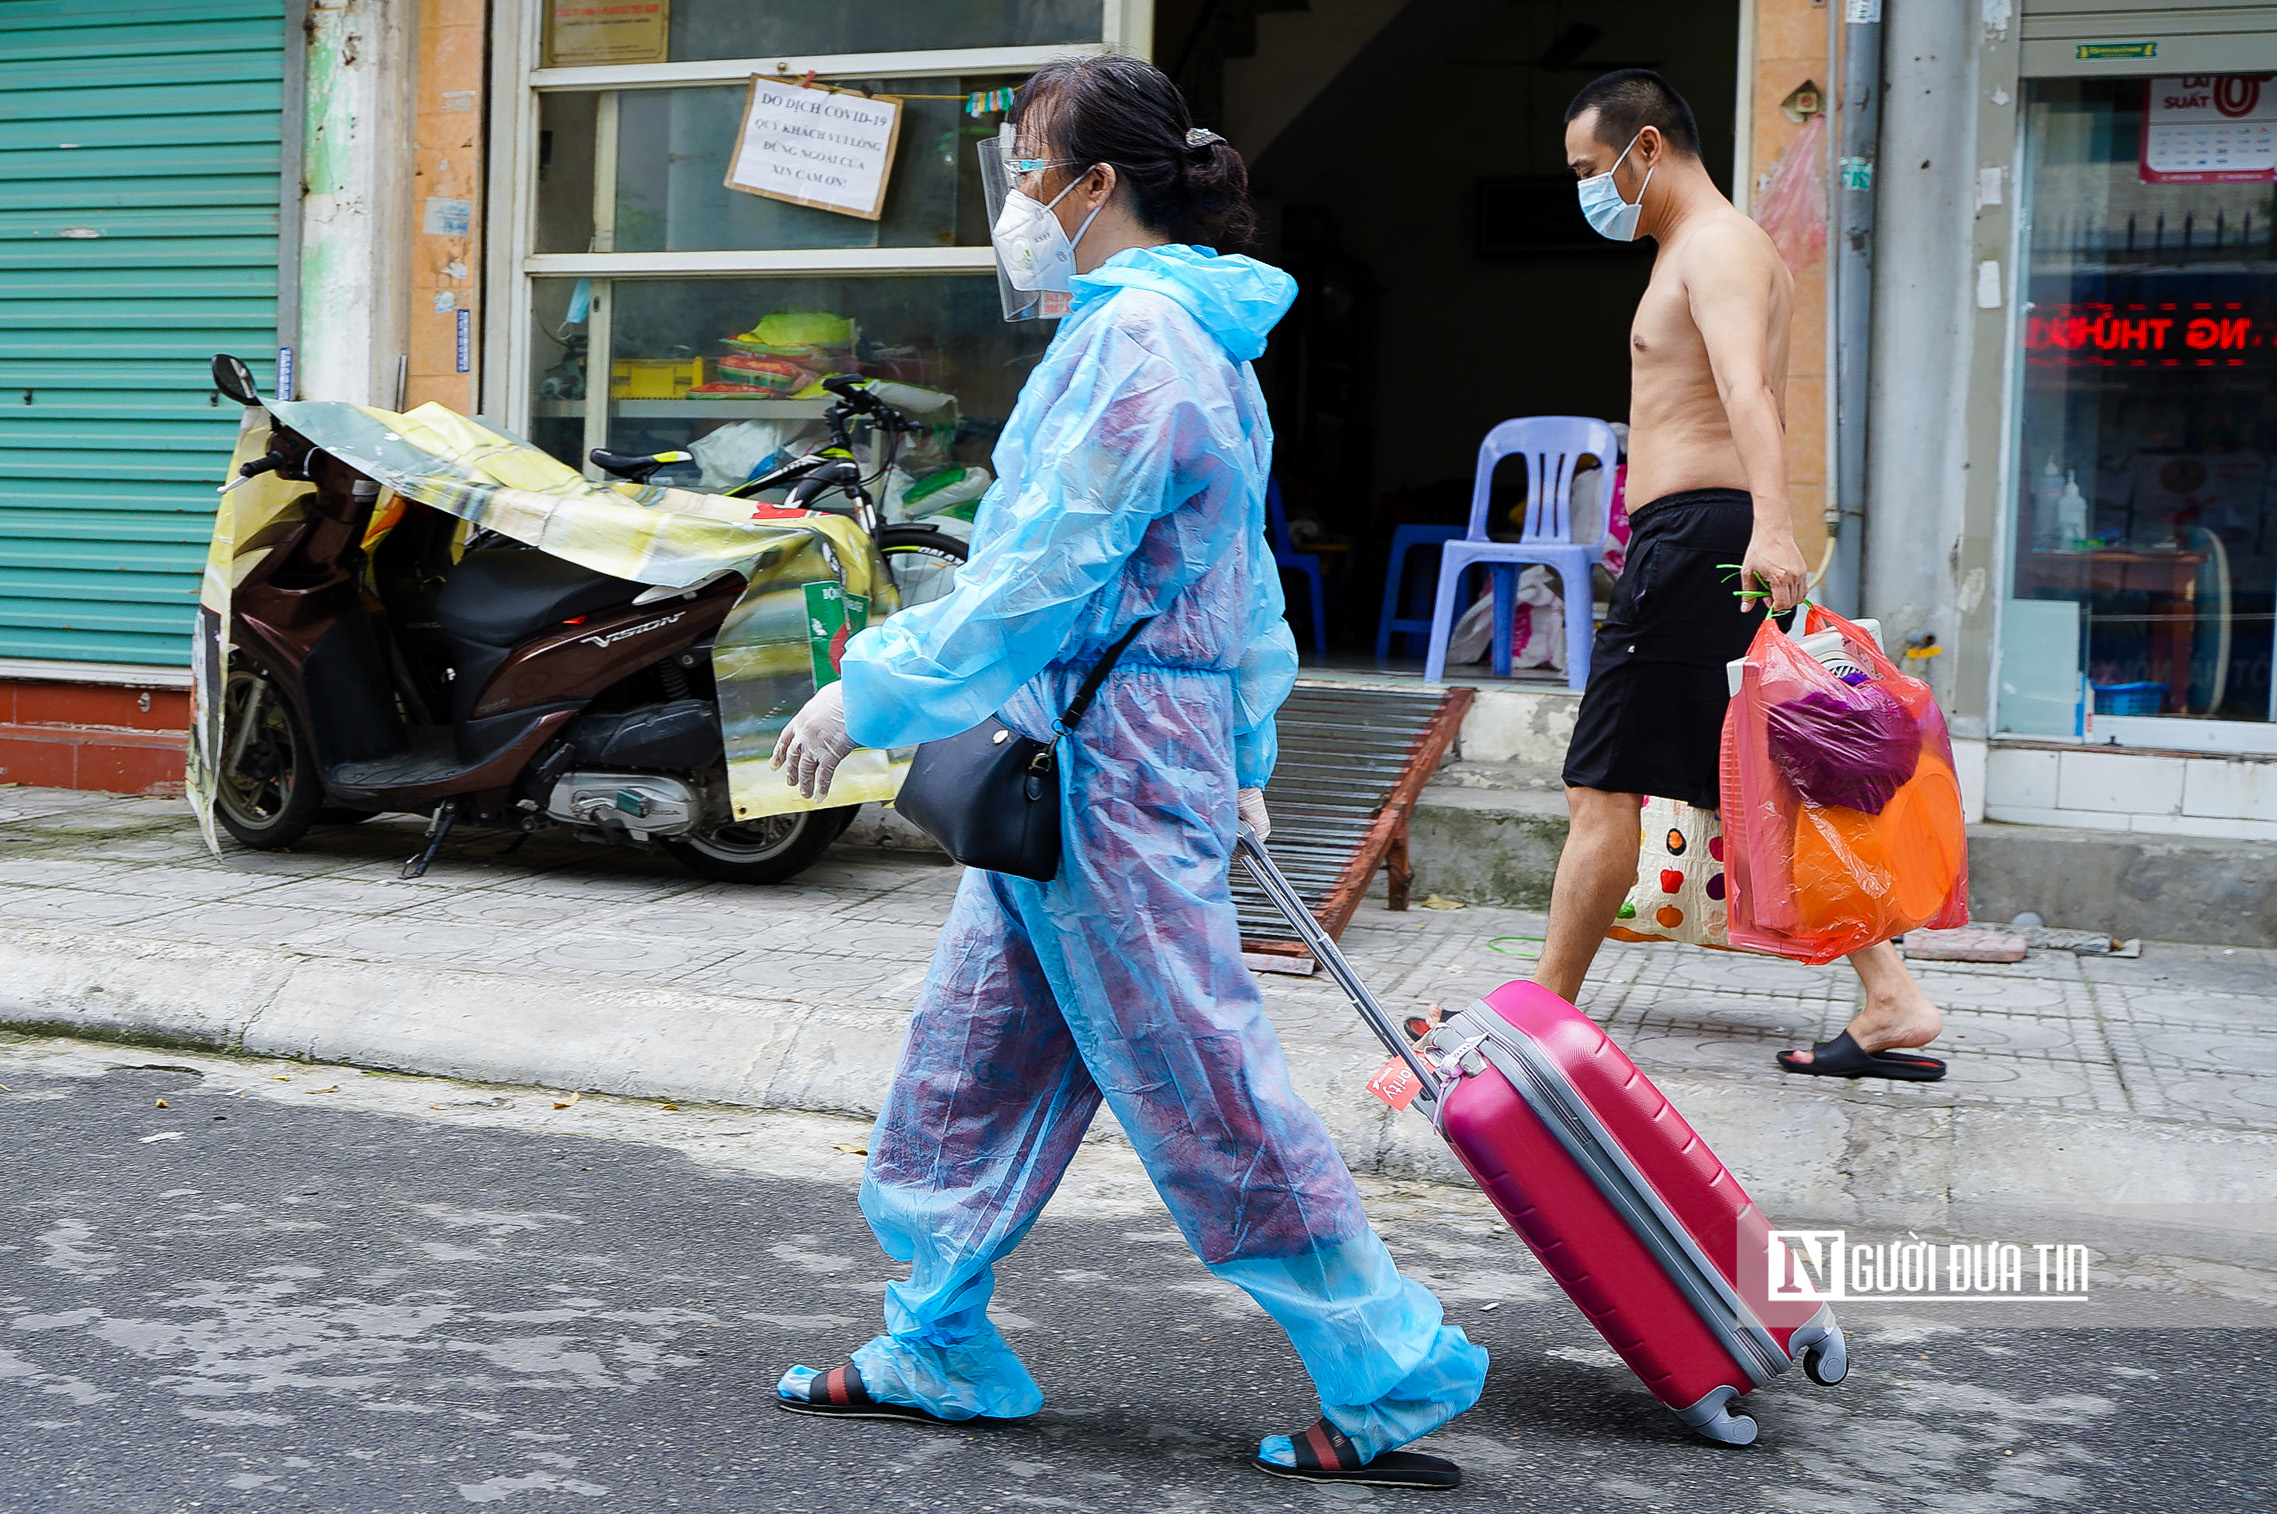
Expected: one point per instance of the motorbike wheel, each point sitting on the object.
(268, 791)
(767, 850)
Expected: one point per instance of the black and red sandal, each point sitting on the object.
(1325, 1454)
(839, 1393)
(1422, 1024)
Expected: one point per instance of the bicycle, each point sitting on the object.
(922, 559)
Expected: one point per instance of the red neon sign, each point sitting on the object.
(2144, 334)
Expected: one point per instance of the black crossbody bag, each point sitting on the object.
(990, 796)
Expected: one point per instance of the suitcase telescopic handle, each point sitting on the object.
(1284, 896)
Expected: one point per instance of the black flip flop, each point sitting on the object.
(839, 1394)
(1843, 1057)
(1325, 1455)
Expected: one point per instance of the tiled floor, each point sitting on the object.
(2186, 1033)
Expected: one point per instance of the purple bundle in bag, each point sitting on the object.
(1851, 747)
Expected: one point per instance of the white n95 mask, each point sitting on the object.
(1035, 250)
(1608, 214)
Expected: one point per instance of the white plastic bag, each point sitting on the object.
(1537, 629)
(733, 453)
(1681, 893)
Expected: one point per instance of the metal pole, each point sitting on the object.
(1292, 906)
(1861, 123)
(292, 146)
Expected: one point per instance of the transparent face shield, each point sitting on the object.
(1001, 169)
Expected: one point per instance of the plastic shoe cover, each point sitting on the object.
(976, 1377)
(1389, 1370)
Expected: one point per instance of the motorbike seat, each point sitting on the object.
(504, 595)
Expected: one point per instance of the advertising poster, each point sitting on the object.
(2209, 129)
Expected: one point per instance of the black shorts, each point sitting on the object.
(1652, 720)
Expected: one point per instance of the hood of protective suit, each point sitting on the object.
(1236, 299)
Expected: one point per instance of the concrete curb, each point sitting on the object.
(1487, 846)
(1832, 1154)
(1499, 845)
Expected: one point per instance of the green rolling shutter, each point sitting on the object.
(139, 191)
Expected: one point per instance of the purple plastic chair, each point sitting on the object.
(1552, 446)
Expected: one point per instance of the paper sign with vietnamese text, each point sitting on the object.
(582, 33)
(1395, 1084)
(825, 148)
(2209, 129)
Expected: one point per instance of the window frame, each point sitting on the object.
(518, 81)
(2152, 733)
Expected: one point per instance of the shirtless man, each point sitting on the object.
(1707, 487)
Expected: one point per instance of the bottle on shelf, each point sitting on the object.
(2071, 516)
(2047, 488)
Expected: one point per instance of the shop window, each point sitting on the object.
(695, 30)
(658, 309)
(670, 150)
(728, 367)
(2145, 524)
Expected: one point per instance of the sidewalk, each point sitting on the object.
(2141, 1090)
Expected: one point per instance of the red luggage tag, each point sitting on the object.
(1396, 1084)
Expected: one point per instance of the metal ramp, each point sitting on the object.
(1354, 759)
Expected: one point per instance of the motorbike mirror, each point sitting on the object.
(233, 378)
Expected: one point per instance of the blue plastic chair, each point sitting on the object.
(1552, 446)
(1288, 559)
(1392, 622)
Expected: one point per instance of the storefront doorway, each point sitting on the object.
(1407, 157)
(1411, 169)
(641, 304)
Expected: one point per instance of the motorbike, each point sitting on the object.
(487, 684)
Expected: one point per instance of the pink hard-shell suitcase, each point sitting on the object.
(1617, 1197)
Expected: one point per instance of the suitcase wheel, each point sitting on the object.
(1827, 1363)
(1712, 1416)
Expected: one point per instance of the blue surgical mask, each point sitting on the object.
(1608, 214)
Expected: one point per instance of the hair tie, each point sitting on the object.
(1201, 137)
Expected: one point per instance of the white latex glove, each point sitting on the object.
(815, 742)
(1250, 805)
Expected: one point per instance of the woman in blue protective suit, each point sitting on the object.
(1130, 484)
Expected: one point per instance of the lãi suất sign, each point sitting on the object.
(2209, 129)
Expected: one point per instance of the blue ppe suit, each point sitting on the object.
(1130, 483)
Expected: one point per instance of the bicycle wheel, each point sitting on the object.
(922, 559)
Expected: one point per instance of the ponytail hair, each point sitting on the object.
(1186, 182)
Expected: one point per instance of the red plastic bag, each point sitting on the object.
(1790, 203)
(1813, 879)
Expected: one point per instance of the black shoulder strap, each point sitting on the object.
(1098, 675)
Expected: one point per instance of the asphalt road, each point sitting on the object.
(261, 1298)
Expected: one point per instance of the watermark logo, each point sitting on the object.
(1809, 1265)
